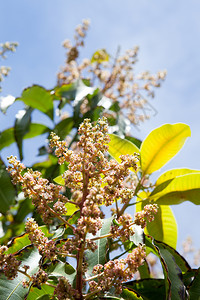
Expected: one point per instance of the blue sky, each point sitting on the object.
(168, 34)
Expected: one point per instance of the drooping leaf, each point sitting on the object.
(22, 124)
(150, 247)
(174, 272)
(148, 289)
(119, 146)
(177, 190)
(99, 256)
(39, 98)
(13, 289)
(161, 145)
(7, 190)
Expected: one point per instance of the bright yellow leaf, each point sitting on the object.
(161, 145)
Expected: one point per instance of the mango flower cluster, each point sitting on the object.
(93, 179)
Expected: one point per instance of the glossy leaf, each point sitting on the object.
(39, 98)
(171, 174)
(148, 289)
(119, 146)
(13, 289)
(194, 288)
(59, 269)
(42, 294)
(7, 190)
(99, 256)
(161, 145)
(177, 190)
(174, 272)
(130, 294)
(22, 124)
(19, 242)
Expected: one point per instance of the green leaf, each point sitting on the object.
(177, 190)
(7, 190)
(58, 269)
(150, 247)
(71, 208)
(119, 146)
(194, 288)
(7, 138)
(130, 295)
(36, 129)
(100, 56)
(161, 145)
(63, 128)
(148, 289)
(99, 256)
(22, 124)
(19, 242)
(39, 98)
(174, 272)
(42, 294)
(134, 140)
(13, 289)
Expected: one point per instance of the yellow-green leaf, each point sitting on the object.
(164, 226)
(177, 190)
(71, 208)
(119, 146)
(59, 180)
(171, 174)
(161, 145)
(100, 56)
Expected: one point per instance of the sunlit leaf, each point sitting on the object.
(41, 294)
(171, 174)
(130, 294)
(164, 226)
(177, 190)
(39, 98)
(161, 145)
(100, 56)
(59, 180)
(119, 146)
